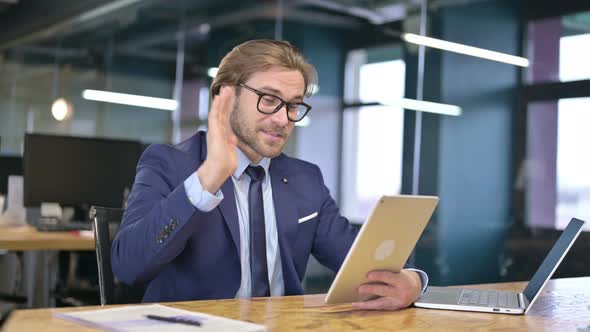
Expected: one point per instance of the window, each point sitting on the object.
(558, 183)
(372, 136)
(574, 52)
(558, 186)
(558, 48)
(573, 162)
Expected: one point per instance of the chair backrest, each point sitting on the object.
(112, 291)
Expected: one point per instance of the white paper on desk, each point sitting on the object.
(132, 318)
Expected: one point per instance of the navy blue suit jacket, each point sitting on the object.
(185, 254)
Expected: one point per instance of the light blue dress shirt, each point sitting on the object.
(205, 201)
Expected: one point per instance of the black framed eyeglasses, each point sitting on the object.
(270, 104)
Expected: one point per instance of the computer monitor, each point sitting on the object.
(78, 171)
(9, 165)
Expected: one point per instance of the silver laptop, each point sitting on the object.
(497, 301)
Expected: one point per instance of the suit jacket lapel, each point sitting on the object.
(229, 210)
(286, 216)
(285, 208)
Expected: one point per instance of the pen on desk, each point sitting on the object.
(178, 320)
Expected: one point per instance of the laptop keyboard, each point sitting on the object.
(489, 298)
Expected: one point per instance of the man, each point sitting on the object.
(225, 214)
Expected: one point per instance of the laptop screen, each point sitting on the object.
(549, 265)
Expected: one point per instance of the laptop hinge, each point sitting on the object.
(522, 304)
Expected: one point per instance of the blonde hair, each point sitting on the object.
(258, 55)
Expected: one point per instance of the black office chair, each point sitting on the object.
(112, 291)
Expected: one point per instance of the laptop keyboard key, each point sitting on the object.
(465, 297)
(483, 299)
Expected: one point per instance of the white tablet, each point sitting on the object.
(384, 242)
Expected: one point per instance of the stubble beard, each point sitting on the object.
(247, 136)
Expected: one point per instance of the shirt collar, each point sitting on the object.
(244, 162)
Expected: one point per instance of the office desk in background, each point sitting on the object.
(563, 306)
(27, 238)
(40, 257)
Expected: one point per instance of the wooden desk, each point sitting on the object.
(39, 260)
(25, 238)
(563, 306)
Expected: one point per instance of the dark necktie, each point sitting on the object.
(258, 267)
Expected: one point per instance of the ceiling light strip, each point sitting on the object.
(465, 49)
(129, 99)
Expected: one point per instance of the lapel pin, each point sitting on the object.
(285, 180)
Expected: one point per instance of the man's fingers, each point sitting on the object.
(220, 109)
(401, 289)
(382, 303)
(214, 117)
(226, 102)
(225, 106)
(379, 290)
(388, 277)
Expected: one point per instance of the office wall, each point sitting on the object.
(466, 159)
